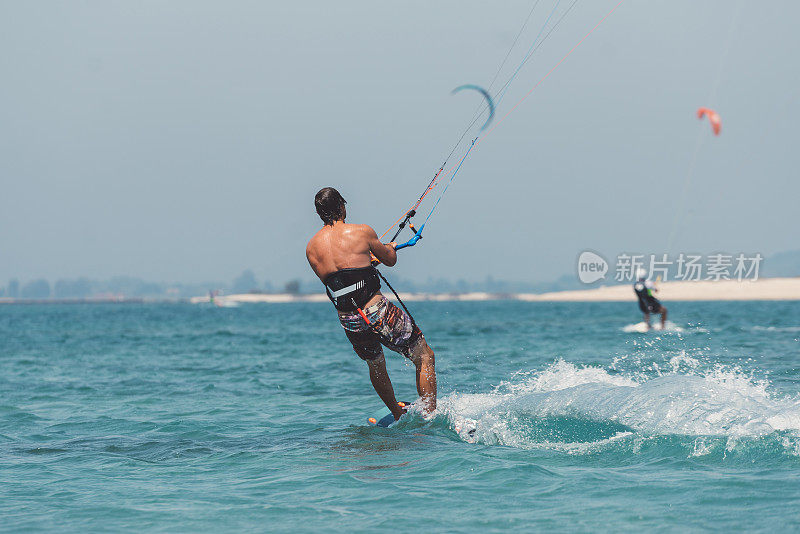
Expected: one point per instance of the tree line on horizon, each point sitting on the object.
(780, 264)
(132, 287)
(246, 282)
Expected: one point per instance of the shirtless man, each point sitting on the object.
(339, 254)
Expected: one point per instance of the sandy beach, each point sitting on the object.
(764, 289)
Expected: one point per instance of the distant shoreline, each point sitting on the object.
(764, 289)
(723, 290)
(87, 300)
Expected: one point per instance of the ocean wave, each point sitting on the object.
(578, 409)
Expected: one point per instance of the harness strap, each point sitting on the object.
(374, 327)
(364, 316)
(413, 322)
(349, 289)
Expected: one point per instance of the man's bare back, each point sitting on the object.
(346, 246)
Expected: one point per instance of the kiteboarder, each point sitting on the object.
(648, 303)
(341, 255)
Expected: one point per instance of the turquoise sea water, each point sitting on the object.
(174, 417)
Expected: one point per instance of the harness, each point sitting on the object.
(643, 292)
(350, 289)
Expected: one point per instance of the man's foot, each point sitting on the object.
(399, 411)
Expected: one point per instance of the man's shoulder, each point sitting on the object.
(312, 242)
(360, 228)
(314, 237)
(310, 245)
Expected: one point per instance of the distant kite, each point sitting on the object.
(485, 94)
(713, 118)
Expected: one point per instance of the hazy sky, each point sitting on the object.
(184, 141)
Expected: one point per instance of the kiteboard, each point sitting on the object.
(383, 417)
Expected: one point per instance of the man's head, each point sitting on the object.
(330, 205)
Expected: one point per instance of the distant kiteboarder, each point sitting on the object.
(648, 303)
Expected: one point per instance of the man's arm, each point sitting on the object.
(385, 253)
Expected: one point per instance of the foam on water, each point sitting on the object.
(585, 407)
(640, 328)
(782, 329)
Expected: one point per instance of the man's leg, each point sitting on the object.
(366, 345)
(396, 328)
(422, 356)
(663, 317)
(383, 386)
(647, 320)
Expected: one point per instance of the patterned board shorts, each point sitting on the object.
(391, 327)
